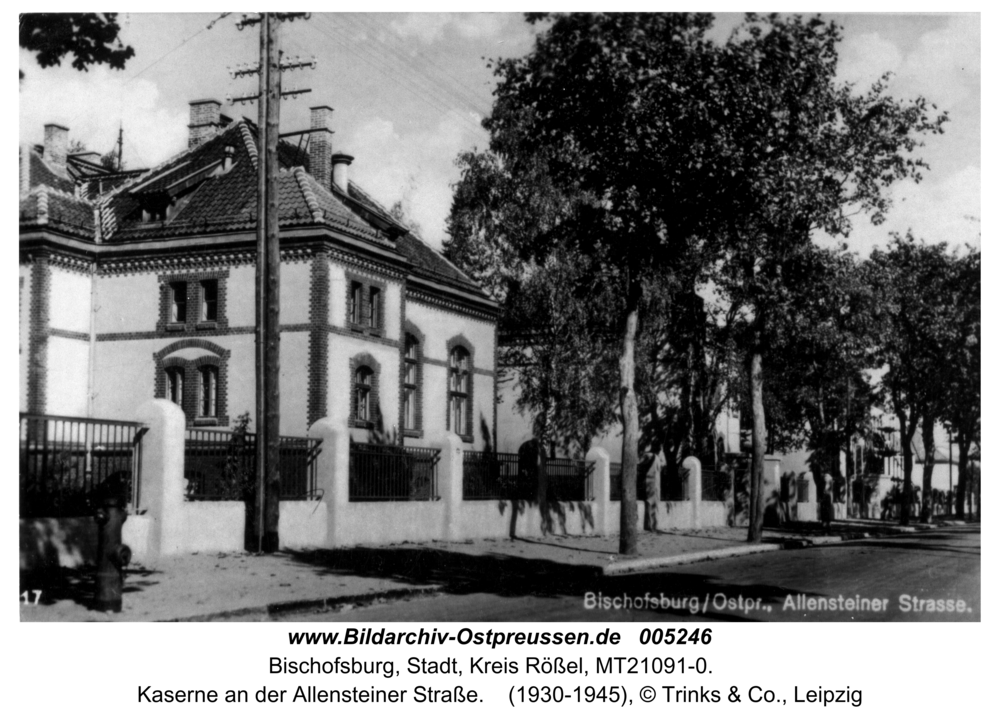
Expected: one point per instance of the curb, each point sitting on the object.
(331, 603)
(619, 568)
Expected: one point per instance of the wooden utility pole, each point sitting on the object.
(268, 340)
(268, 335)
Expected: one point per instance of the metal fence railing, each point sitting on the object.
(67, 462)
(570, 479)
(716, 485)
(392, 473)
(495, 476)
(221, 465)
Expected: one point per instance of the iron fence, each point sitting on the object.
(570, 479)
(716, 485)
(66, 463)
(495, 476)
(392, 473)
(221, 465)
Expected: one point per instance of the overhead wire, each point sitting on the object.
(421, 87)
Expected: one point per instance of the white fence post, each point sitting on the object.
(449, 478)
(333, 475)
(692, 468)
(162, 490)
(602, 488)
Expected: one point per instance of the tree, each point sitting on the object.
(92, 38)
(915, 282)
(961, 407)
(823, 344)
(611, 108)
(803, 153)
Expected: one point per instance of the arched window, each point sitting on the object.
(175, 385)
(208, 377)
(411, 383)
(459, 397)
(193, 374)
(363, 393)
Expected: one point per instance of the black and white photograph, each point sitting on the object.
(426, 317)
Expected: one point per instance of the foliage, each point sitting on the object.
(92, 39)
(606, 110)
(929, 322)
(803, 153)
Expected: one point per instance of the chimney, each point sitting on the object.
(56, 144)
(205, 121)
(340, 162)
(320, 143)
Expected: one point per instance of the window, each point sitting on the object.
(410, 377)
(178, 302)
(198, 385)
(355, 310)
(458, 390)
(210, 300)
(205, 314)
(363, 393)
(374, 307)
(207, 391)
(175, 385)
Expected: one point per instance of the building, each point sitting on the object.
(135, 285)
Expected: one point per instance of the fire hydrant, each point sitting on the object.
(112, 554)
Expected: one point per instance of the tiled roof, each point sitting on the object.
(208, 199)
(46, 206)
(42, 174)
(431, 264)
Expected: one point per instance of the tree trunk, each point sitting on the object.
(759, 446)
(927, 430)
(628, 543)
(906, 441)
(964, 443)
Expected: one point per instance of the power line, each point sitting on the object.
(422, 90)
(458, 88)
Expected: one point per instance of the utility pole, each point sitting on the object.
(268, 277)
(119, 147)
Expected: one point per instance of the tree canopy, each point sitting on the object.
(91, 38)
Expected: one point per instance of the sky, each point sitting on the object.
(409, 91)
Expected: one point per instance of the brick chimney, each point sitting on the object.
(320, 143)
(205, 121)
(340, 162)
(56, 144)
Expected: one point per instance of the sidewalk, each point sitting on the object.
(206, 586)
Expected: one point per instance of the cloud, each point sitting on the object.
(91, 104)
(865, 57)
(416, 168)
(430, 27)
(943, 208)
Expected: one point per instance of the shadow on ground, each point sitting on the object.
(511, 576)
(78, 584)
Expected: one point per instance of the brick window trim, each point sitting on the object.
(366, 284)
(411, 330)
(364, 359)
(165, 360)
(192, 322)
(466, 434)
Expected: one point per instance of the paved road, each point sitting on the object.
(890, 579)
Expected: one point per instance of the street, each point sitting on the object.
(932, 576)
